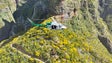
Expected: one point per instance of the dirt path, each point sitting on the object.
(20, 49)
(5, 42)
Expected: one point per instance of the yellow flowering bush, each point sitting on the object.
(37, 53)
(50, 46)
(31, 59)
(2, 51)
(73, 50)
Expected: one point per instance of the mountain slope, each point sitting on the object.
(87, 39)
(54, 46)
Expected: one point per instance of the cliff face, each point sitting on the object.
(87, 39)
(106, 8)
(7, 9)
(106, 12)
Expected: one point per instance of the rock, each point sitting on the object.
(106, 42)
(7, 7)
(105, 8)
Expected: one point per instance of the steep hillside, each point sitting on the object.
(54, 46)
(87, 39)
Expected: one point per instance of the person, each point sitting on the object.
(73, 13)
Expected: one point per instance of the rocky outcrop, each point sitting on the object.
(7, 9)
(106, 42)
(105, 9)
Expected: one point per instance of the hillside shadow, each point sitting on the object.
(4, 34)
(106, 42)
(36, 9)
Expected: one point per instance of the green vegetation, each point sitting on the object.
(77, 44)
(54, 46)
